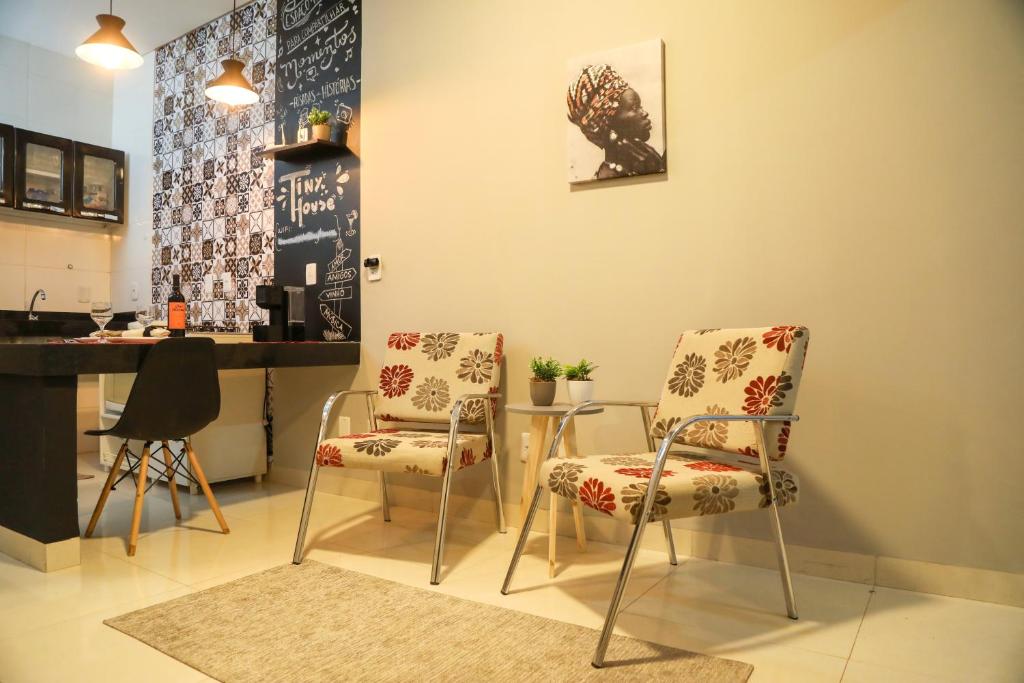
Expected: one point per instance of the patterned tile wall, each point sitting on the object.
(213, 204)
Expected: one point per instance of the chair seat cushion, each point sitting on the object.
(691, 485)
(400, 450)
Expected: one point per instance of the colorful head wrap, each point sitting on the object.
(594, 98)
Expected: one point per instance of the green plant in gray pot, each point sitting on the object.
(581, 386)
(542, 384)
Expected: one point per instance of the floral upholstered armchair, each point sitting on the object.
(730, 394)
(440, 381)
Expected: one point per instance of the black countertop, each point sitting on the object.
(55, 324)
(39, 358)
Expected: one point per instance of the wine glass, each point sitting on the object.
(101, 314)
(145, 316)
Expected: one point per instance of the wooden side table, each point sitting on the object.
(544, 422)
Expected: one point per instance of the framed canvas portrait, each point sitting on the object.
(616, 113)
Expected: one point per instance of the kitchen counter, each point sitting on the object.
(36, 357)
(38, 394)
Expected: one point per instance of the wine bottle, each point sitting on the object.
(176, 312)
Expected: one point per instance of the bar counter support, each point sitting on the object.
(38, 470)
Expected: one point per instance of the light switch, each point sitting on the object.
(84, 295)
(372, 265)
(310, 273)
(134, 294)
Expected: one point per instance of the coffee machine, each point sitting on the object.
(287, 306)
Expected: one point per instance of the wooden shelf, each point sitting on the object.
(303, 149)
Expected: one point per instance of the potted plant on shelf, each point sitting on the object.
(318, 121)
(542, 384)
(581, 387)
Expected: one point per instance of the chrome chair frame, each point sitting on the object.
(453, 433)
(648, 505)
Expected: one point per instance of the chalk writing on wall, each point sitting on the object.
(316, 200)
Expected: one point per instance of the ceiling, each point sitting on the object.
(60, 25)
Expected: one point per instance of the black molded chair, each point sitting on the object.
(176, 393)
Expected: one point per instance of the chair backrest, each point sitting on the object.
(424, 372)
(729, 372)
(176, 392)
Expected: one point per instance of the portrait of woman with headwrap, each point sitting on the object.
(610, 114)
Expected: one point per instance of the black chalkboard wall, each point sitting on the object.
(316, 198)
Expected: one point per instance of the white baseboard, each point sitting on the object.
(925, 577)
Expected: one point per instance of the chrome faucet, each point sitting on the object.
(31, 306)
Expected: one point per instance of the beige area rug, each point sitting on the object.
(315, 622)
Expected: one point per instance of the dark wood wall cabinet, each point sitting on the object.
(99, 183)
(60, 177)
(6, 165)
(44, 172)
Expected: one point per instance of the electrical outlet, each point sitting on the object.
(84, 295)
(524, 446)
(134, 294)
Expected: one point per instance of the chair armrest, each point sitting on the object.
(456, 413)
(586, 404)
(463, 397)
(673, 434)
(456, 416)
(329, 404)
(643, 405)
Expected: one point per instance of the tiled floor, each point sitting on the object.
(51, 624)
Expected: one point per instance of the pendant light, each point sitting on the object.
(108, 47)
(232, 87)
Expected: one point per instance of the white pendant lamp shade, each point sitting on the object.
(232, 87)
(108, 47)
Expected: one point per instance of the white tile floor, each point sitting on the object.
(51, 624)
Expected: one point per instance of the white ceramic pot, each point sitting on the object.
(580, 391)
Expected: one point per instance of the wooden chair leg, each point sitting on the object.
(577, 518)
(569, 449)
(197, 472)
(115, 469)
(535, 456)
(552, 533)
(171, 485)
(140, 492)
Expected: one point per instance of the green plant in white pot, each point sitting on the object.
(581, 386)
(542, 383)
(319, 122)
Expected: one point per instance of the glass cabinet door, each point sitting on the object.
(99, 183)
(6, 165)
(44, 169)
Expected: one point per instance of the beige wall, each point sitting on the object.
(852, 166)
